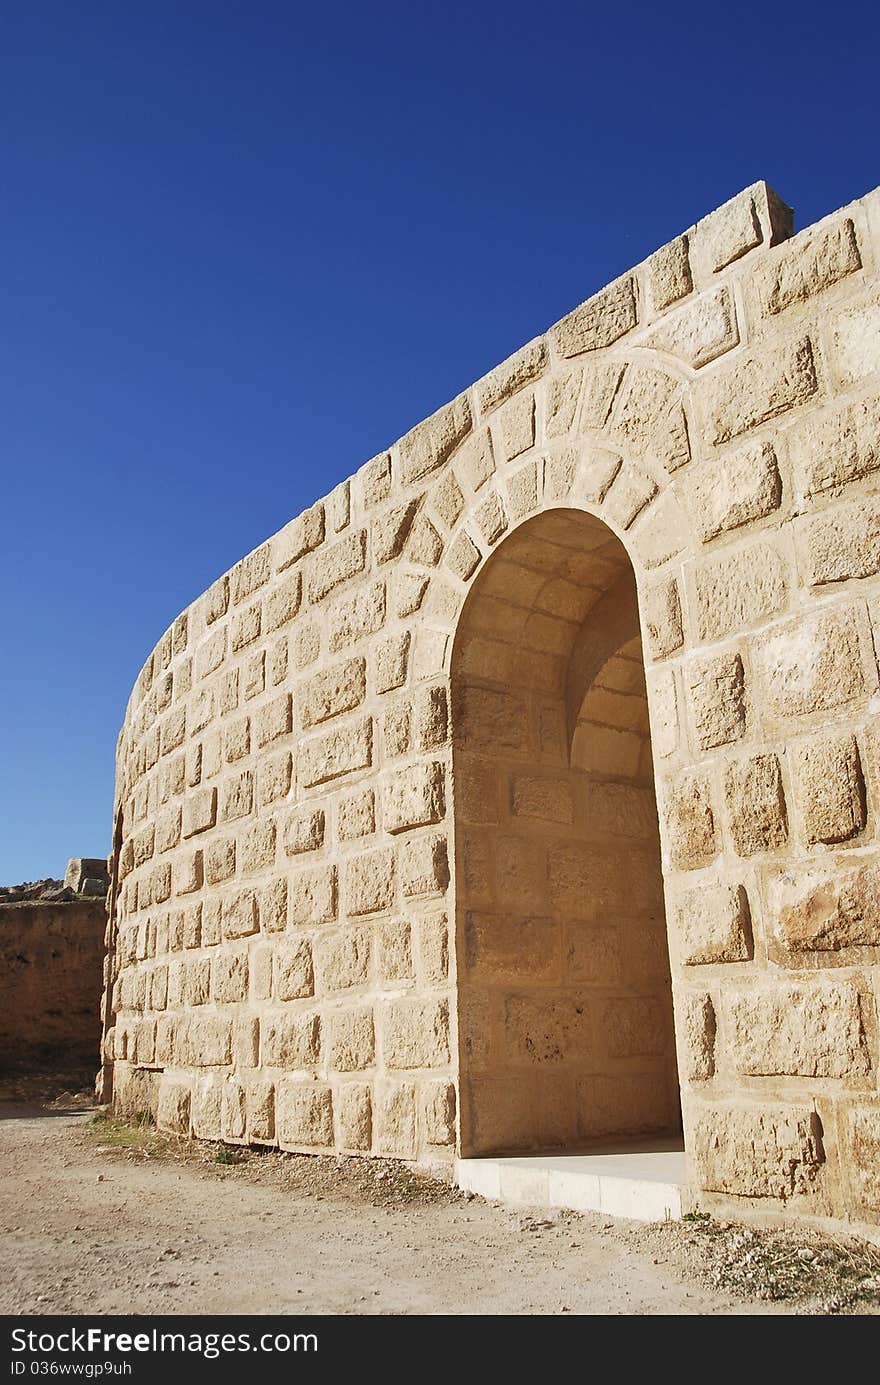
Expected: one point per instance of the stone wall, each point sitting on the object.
(51, 958)
(296, 929)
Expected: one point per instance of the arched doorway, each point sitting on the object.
(565, 1005)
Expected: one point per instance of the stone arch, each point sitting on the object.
(565, 1025)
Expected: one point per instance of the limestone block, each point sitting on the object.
(526, 365)
(718, 700)
(291, 1039)
(173, 730)
(336, 752)
(304, 1115)
(396, 728)
(375, 479)
(390, 531)
(513, 431)
(173, 1108)
(260, 1102)
(237, 796)
(714, 925)
(294, 974)
(351, 1041)
(423, 866)
(735, 489)
(338, 507)
(415, 1033)
(759, 387)
(690, 821)
(302, 535)
(598, 322)
(283, 602)
(356, 815)
(212, 930)
(168, 827)
(430, 717)
(303, 831)
(582, 878)
(864, 1154)
(210, 654)
(561, 397)
(448, 500)
(357, 616)
(661, 617)
(542, 1030)
(842, 543)
(206, 1108)
(649, 416)
(438, 1112)
(425, 547)
(205, 1041)
(754, 216)
(755, 802)
(854, 343)
(273, 777)
(395, 1119)
(506, 946)
(630, 492)
(273, 906)
(463, 557)
(257, 846)
(246, 1041)
(668, 274)
(250, 573)
(277, 660)
(229, 691)
(246, 626)
(758, 1151)
(811, 664)
(663, 533)
(824, 910)
(830, 788)
(229, 977)
(312, 895)
(391, 658)
(414, 797)
(354, 1112)
(274, 719)
(476, 462)
(338, 689)
(427, 446)
(254, 676)
(219, 860)
(491, 517)
(199, 811)
(217, 600)
(808, 266)
(837, 446)
(433, 948)
(697, 1036)
(739, 590)
(260, 969)
(331, 565)
(240, 916)
(699, 332)
(343, 961)
(813, 1029)
(306, 644)
(539, 796)
(368, 882)
(237, 739)
(394, 950)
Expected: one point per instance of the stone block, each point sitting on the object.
(274, 719)
(312, 895)
(303, 831)
(251, 573)
(246, 626)
(330, 566)
(368, 882)
(697, 1036)
(427, 446)
(260, 1102)
(811, 664)
(543, 798)
(173, 1111)
(807, 266)
(199, 811)
(395, 1119)
(257, 847)
(283, 602)
(864, 1154)
(814, 1029)
(759, 387)
(476, 462)
(739, 590)
(302, 535)
(423, 866)
(668, 274)
(463, 557)
(343, 961)
(690, 821)
(273, 777)
(736, 489)
(758, 1151)
(336, 752)
(273, 906)
(357, 616)
(354, 1112)
(699, 332)
(294, 975)
(413, 797)
(650, 418)
(415, 1033)
(219, 860)
(825, 909)
(714, 925)
(217, 600)
(304, 1115)
(356, 815)
(290, 1039)
(838, 446)
(842, 543)
(229, 977)
(391, 659)
(598, 322)
(718, 701)
(438, 1113)
(333, 691)
(425, 546)
(661, 617)
(513, 432)
(237, 740)
(240, 915)
(390, 531)
(853, 347)
(394, 950)
(237, 796)
(526, 365)
(830, 788)
(351, 1040)
(755, 802)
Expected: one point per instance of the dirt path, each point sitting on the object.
(91, 1227)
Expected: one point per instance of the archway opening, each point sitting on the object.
(566, 1032)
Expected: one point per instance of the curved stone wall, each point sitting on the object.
(290, 914)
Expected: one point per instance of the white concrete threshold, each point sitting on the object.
(644, 1180)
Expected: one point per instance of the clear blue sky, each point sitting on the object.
(248, 245)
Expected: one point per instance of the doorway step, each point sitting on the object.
(644, 1180)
